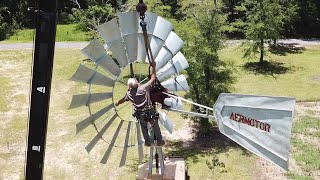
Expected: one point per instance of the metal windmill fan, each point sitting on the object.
(239, 117)
(124, 45)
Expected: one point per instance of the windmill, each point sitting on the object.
(131, 42)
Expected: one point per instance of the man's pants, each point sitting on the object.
(156, 130)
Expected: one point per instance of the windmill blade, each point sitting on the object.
(165, 121)
(110, 31)
(178, 83)
(107, 154)
(159, 34)
(89, 120)
(172, 46)
(125, 146)
(108, 64)
(261, 124)
(95, 140)
(111, 34)
(132, 36)
(162, 28)
(178, 64)
(79, 100)
(89, 76)
(140, 142)
(96, 52)
(174, 103)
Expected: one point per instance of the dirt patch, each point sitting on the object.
(311, 140)
(266, 170)
(301, 108)
(316, 78)
(185, 134)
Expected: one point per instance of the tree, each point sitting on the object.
(89, 19)
(265, 21)
(307, 23)
(208, 76)
(235, 18)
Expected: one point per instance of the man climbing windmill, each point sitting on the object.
(139, 95)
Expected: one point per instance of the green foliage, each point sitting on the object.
(208, 76)
(92, 17)
(235, 17)
(6, 27)
(306, 24)
(265, 20)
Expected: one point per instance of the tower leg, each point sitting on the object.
(158, 156)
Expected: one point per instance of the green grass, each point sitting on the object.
(304, 152)
(4, 84)
(308, 125)
(292, 74)
(68, 32)
(298, 177)
(74, 162)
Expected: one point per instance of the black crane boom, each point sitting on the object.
(41, 86)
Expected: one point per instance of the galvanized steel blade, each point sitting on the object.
(129, 23)
(158, 34)
(179, 63)
(140, 142)
(125, 146)
(89, 76)
(174, 103)
(261, 124)
(107, 154)
(165, 121)
(108, 64)
(111, 34)
(162, 28)
(89, 120)
(155, 46)
(95, 140)
(79, 100)
(178, 83)
(118, 52)
(132, 35)
(94, 50)
(173, 44)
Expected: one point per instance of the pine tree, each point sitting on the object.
(265, 21)
(208, 76)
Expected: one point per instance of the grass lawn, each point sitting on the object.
(67, 158)
(293, 75)
(69, 32)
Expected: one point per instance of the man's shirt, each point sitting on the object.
(140, 96)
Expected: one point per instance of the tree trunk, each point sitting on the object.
(207, 76)
(196, 92)
(261, 50)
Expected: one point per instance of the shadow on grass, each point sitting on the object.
(203, 145)
(267, 68)
(283, 49)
